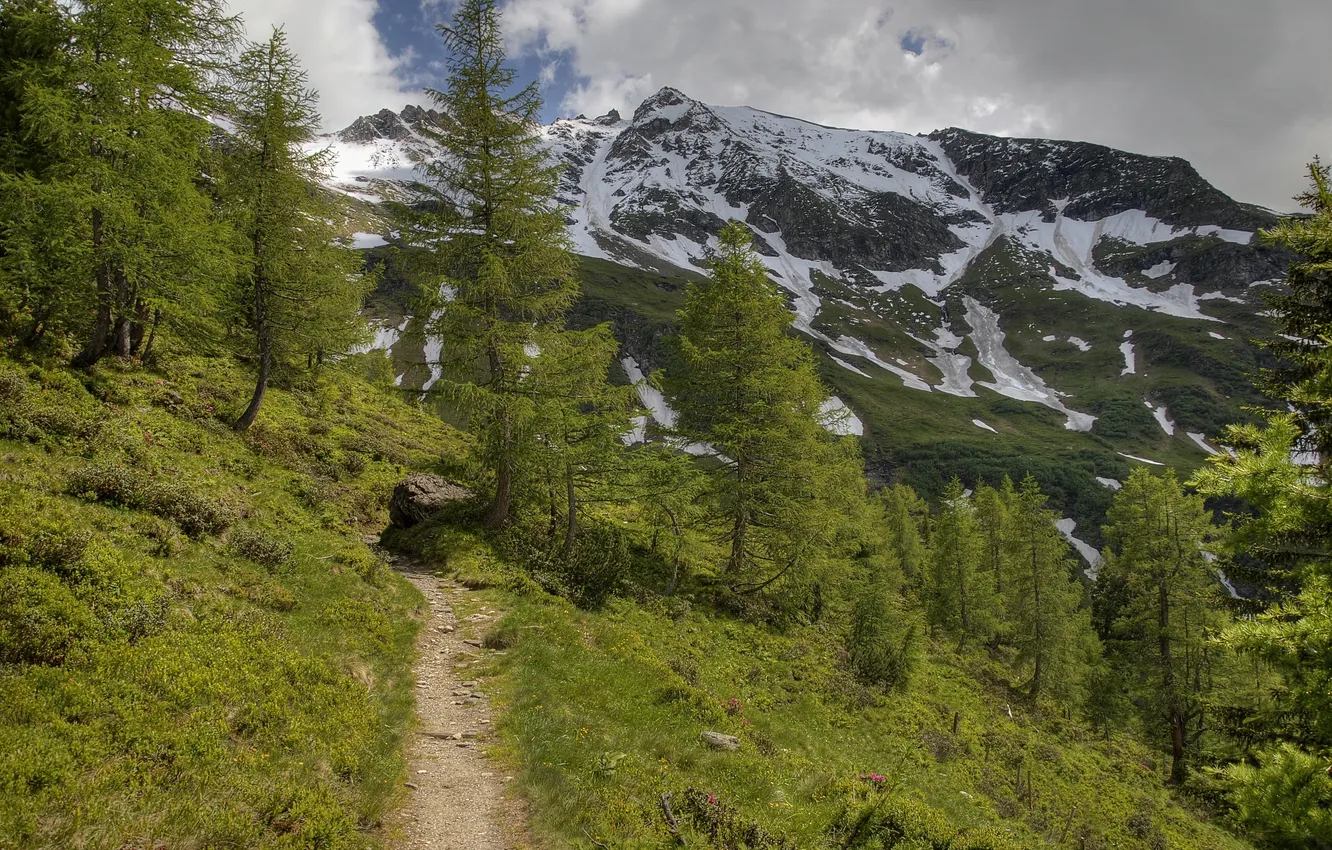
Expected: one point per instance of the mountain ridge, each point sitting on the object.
(952, 283)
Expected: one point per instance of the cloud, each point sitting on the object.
(341, 49)
(1238, 88)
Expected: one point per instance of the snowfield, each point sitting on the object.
(1011, 378)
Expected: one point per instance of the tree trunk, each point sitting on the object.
(152, 337)
(675, 562)
(265, 334)
(37, 329)
(1177, 767)
(138, 327)
(260, 386)
(1040, 621)
(96, 346)
(498, 514)
(1168, 687)
(121, 338)
(571, 497)
(736, 563)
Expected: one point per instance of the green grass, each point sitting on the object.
(601, 715)
(242, 682)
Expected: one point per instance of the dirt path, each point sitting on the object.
(456, 798)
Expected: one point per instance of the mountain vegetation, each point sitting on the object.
(724, 627)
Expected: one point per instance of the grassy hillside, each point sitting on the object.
(603, 711)
(923, 439)
(196, 647)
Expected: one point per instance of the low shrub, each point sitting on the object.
(883, 821)
(590, 574)
(267, 594)
(261, 547)
(41, 620)
(127, 487)
(725, 827)
(368, 566)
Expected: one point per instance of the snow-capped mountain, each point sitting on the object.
(967, 267)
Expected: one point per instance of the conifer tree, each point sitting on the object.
(1170, 611)
(1288, 532)
(114, 216)
(495, 235)
(882, 645)
(1049, 628)
(960, 592)
(299, 290)
(1303, 313)
(903, 513)
(992, 509)
(746, 387)
(583, 420)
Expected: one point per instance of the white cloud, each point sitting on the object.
(339, 46)
(1238, 88)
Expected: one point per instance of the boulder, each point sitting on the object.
(718, 741)
(420, 497)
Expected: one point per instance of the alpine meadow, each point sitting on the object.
(707, 477)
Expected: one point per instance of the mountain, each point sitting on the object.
(985, 305)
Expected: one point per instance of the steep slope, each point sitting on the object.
(986, 293)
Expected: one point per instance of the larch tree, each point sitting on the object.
(743, 385)
(903, 514)
(992, 515)
(1048, 625)
(299, 289)
(495, 241)
(884, 636)
(1288, 532)
(582, 422)
(960, 592)
(115, 216)
(1163, 632)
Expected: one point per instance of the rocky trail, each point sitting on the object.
(456, 798)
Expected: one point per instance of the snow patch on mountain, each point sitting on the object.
(1130, 359)
(838, 418)
(1141, 459)
(1011, 378)
(1160, 270)
(1067, 527)
(1162, 418)
(954, 367)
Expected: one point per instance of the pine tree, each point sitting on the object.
(114, 216)
(746, 387)
(495, 235)
(960, 592)
(1049, 628)
(1162, 633)
(299, 291)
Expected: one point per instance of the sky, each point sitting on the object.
(1241, 89)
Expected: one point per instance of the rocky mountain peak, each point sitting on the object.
(384, 124)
